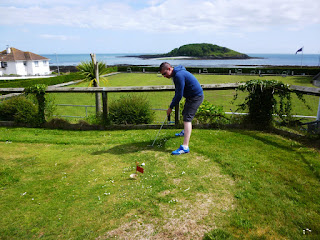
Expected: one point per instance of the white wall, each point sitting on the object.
(10, 69)
(18, 67)
(42, 68)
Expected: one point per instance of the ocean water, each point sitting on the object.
(121, 59)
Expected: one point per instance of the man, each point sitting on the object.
(186, 85)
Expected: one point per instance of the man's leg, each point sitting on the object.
(187, 133)
(189, 111)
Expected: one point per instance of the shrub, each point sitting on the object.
(262, 102)
(19, 109)
(97, 119)
(209, 113)
(48, 81)
(39, 91)
(131, 109)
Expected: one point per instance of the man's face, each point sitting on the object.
(167, 72)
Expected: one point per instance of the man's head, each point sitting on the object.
(166, 70)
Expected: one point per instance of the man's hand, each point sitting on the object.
(169, 111)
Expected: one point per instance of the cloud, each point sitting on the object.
(165, 16)
(57, 37)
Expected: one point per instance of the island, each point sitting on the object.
(198, 51)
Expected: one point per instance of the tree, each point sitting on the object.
(87, 69)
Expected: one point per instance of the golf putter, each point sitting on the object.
(158, 132)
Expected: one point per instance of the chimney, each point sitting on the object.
(8, 49)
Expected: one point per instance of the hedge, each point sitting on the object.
(244, 70)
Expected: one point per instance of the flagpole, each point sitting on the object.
(301, 57)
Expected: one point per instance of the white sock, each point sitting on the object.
(185, 147)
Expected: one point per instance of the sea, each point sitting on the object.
(257, 60)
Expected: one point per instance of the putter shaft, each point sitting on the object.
(159, 131)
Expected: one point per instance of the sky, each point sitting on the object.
(158, 26)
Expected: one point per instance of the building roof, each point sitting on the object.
(18, 55)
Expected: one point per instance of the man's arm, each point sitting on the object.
(179, 87)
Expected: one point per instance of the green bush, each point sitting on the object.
(19, 109)
(24, 83)
(131, 109)
(97, 119)
(265, 98)
(209, 113)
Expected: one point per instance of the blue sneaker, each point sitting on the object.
(180, 134)
(180, 150)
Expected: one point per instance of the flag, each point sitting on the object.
(299, 50)
(139, 169)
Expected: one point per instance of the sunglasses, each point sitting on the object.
(165, 73)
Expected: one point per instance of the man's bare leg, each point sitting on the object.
(187, 133)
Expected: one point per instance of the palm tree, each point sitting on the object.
(87, 69)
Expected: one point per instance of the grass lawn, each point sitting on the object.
(161, 100)
(235, 184)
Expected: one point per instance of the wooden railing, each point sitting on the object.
(105, 90)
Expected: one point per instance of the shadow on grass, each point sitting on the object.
(265, 140)
(159, 145)
(293, 148)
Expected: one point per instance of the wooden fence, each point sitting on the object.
(105, 90)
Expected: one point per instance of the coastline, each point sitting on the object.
(73, 68)
(290, 60)
(166, 57)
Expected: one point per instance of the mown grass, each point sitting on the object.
(243, 184)
(161, 100)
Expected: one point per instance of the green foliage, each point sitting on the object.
(209, 113)
(131, 109)
(47, 81)
(18, 109)
(87, 70)
(97, 119)
(205, 50)
(45, 104)
(39, 90)
(305, 70)
(266, 98)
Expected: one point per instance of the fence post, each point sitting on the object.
(96, 83)
(105, 105)
(318, 114)
(177, 114)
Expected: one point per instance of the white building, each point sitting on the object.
(15, 61)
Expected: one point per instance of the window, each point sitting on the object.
(24, 63)
(4, 64)
(45, 63)
(36, 63)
